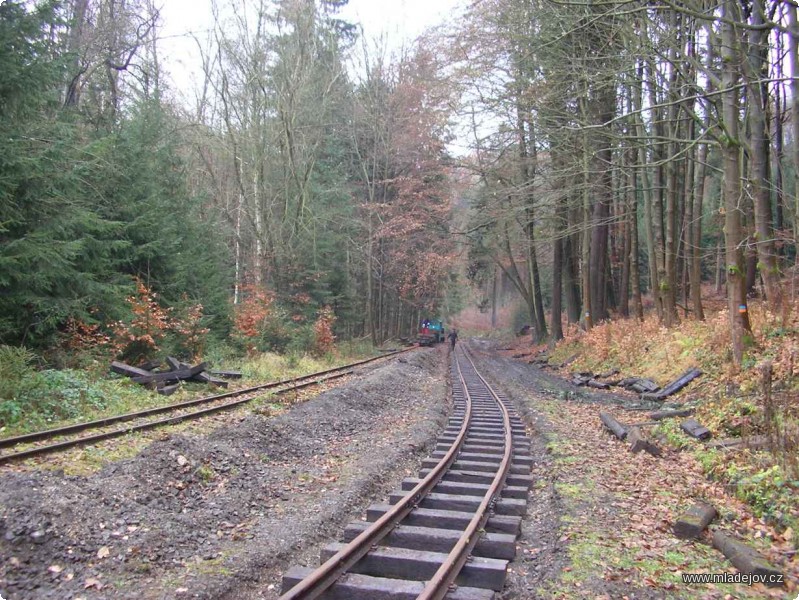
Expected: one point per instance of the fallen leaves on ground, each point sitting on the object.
(621, 508)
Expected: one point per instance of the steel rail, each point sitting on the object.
(292, 384)
(152, 424)
(438, 586)
(49, 433)
(332, 569)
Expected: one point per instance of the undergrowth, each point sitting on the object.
(731, 402)
(33, 398)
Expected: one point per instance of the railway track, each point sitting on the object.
(62, 438)
(449, 533)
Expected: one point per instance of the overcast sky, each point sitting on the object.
(399, 21)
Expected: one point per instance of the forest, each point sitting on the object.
(586, 192)
(289, 188)
(598, 158)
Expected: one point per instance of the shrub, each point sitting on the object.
(323, 338)
(278, 332)
(261, 325)
(16, 365)
(16, 372)
(301, 341)
(188, 329)
(45, 396)
(138, 340)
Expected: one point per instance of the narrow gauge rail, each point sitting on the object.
(449, 533)
(218, 402)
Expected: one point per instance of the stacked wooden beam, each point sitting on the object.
(166, 381)
(648, 389)
(674, 387)
(631, 434)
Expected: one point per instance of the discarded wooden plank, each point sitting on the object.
(226, 374)
(599, 385)
(168, 390)
(151, 365)
(754, 442)
(747, 560)
(607, 374)
(638, 442)
(205, 377)
(644, 386)
(175, 364)
(675, 386)
(693, 428)
(613, 425)
(569, 361)
(171, 375)
(693, 521)
(127, 370)
(659, 415)
(627, 382)
(579, 380)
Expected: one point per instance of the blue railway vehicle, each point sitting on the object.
(431, 331)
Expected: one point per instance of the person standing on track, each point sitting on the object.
(453, 337)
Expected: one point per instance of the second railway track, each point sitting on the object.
(451, 532)
(54, 440)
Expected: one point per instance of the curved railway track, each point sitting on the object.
(449, 533)
(43, 442)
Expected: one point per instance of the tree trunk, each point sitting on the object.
(74, 40)
(635, 277)
(696, 235)
(370, 313)
(586, 238)
(779, 144)
(538, 303)
(667, 265)
(793, 51)
(555, 326)
(759, 172)
(571, 286)
(750, 251)
(628, 197)
(527, 171)
(655, 212)
(494, 298)
(647, 192)
(602, 201)
(700, 189)
(736, 282)
(720, 273)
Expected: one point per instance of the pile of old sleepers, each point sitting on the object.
(166, 378)
(647, 388)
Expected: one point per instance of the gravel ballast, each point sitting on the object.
(222, 513)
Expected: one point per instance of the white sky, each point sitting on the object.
(398, 21)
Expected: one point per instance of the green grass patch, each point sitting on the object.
(33, 399)
(90, 459)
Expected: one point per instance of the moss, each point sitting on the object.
(206, 473)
